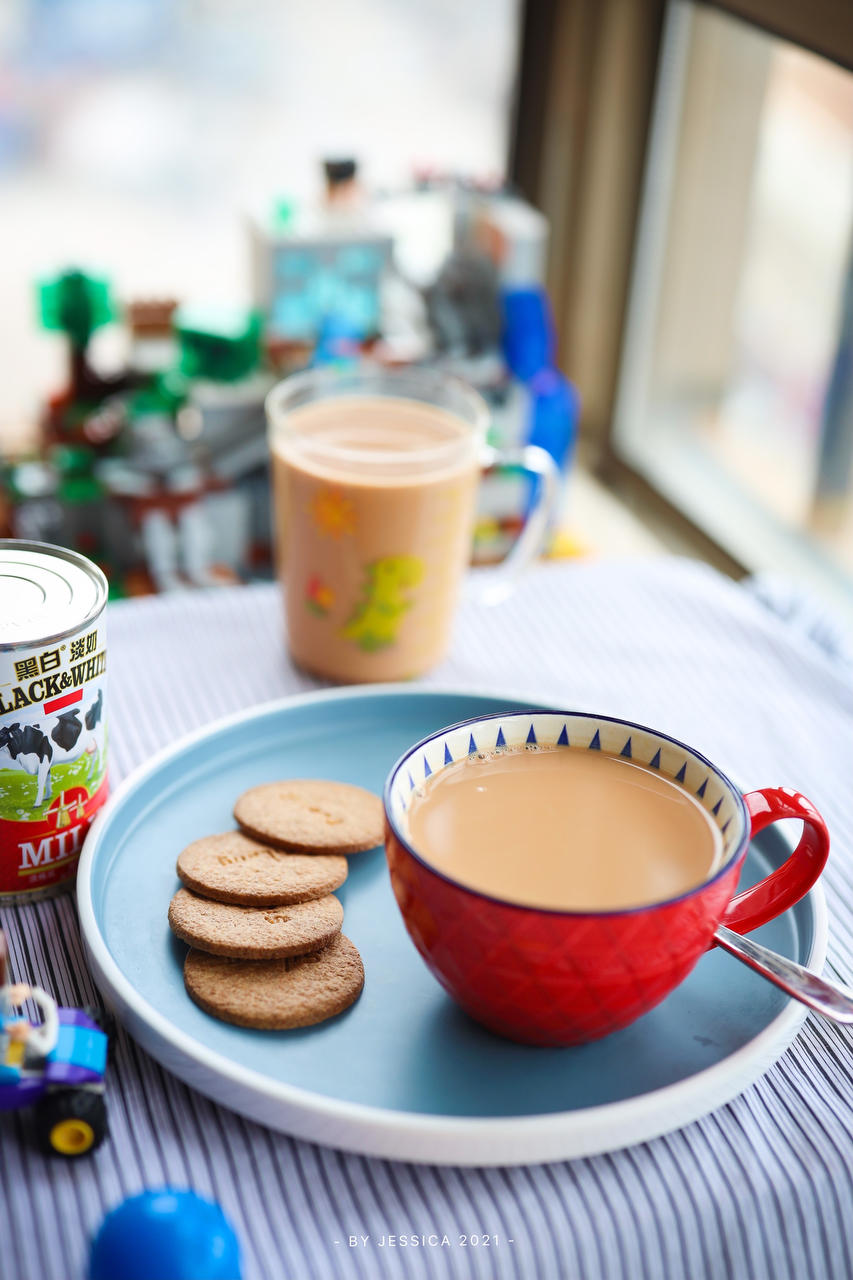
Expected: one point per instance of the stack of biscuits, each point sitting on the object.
(258, 908)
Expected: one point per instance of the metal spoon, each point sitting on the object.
(826, 997)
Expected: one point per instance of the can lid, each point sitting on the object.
(45, 592)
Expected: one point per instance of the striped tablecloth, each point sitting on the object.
(761, 1188)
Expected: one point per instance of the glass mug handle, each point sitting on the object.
(790, 882)
(491, 586)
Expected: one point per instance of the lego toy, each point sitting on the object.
(150, 322)
(342, 184)
(463, 305)
(57, 1066)
(76, 305)
(159, 473)
(165, 1234)
(221, 345)
(313, 266)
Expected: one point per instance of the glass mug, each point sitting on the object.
(375, 477)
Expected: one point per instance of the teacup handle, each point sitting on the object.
(493, 585)
(790, 882)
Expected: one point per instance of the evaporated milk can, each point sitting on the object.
(53, 730)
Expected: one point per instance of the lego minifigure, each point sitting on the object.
(21, 1040)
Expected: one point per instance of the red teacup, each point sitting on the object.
(554, 977)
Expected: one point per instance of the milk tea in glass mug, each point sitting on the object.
(375, 477)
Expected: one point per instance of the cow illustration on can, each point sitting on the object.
(53, 736)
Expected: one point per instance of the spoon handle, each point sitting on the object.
(826, 997)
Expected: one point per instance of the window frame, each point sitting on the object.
(610, 291)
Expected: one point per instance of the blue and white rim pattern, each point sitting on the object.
(531, 729)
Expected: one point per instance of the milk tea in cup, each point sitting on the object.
(563, 828)
(375, 476)
(375, 503)
(561, 872)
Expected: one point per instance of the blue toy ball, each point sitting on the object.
(173, 1235)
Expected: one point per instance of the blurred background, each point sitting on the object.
(136, 135)
(629, 222)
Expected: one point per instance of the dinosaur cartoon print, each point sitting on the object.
(385, 600)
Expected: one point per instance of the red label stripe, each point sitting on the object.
(56, 704)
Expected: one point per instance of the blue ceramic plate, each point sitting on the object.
(403, 1073)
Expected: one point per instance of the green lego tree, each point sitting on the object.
(76, 304)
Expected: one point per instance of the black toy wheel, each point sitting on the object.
(72, 1122)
